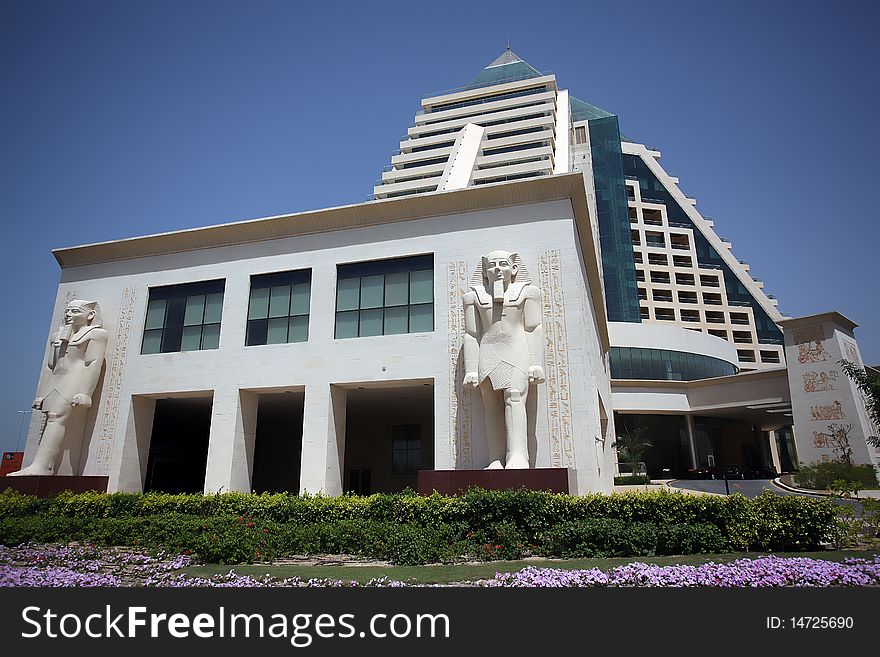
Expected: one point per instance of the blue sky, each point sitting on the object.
(126, 118)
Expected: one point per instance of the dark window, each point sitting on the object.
(385, 297)
(665, 365)
(406, 449)
(183, 317)
(278, 311)
(580, 135)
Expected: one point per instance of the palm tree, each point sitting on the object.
(631, 444)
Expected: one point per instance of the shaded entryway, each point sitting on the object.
(278, 443)
(179, 445)
(389, 437)
(717, 443)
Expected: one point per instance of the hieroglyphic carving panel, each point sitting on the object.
(556, 362)
(820, 381)
(812, 352)
(459, 401)
(833, 411)
(116, 373)
(805, 334)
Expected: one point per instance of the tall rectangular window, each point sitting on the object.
(183, 317)
(278, 310)
(385, 297)
(406, 449)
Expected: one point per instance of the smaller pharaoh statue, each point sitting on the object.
(504, 352)
(75, 358)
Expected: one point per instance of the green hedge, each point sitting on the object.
(607, 537)
(820, 475)
(406, 528)
(631, 480)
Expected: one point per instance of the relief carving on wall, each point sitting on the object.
(812, 352)
(820, 381)
(852, 353)
(805, 334)
(556, 358)
(114, 379)
(835, 437)
(833, 411)
(459, 403)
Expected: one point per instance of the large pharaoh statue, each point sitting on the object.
(504, 352)
(75, 358)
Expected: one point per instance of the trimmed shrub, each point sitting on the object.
(631, 480)
(822, 474)
(406, 528)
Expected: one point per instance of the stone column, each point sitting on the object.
(826, 404)
(129, 466)
(692, 443)
(323, 441)
(774, 451)
(231, 440)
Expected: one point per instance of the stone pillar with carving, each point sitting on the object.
(828, 408)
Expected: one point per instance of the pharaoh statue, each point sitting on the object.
(504, 352)
(75, 358)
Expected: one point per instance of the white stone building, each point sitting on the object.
(321, 351)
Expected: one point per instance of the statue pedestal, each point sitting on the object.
(49, 486)
(454, 482)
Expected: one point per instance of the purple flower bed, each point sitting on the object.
(760, 572)
(50, 566)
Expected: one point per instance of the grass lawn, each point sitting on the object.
(445, 573)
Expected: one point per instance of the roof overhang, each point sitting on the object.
(832, 316)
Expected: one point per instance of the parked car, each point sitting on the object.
(736, 472)
(764, 473)
(700, 473)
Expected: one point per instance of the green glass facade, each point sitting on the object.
(665, 365)
(618, 265)
(653, 190)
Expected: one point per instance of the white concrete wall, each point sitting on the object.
(822, 395)
(543, 234)
(657, 336)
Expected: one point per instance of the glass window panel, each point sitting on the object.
(398, 462)
(259, 306)
(211, 336)
(348, 294)
(213, 308)
(277, 333)
(371, 322)
(257, 329)
(192, 338)
(174, 312)
(299, 304)
(279, 303)
(155, 315)
(347, 324)
(414, 459)
(396, 320)
(195, 310)
(171, 340)
(299, 329)
(152, 341)
(421, 286)
(397, 289)
(398, 443)
(372, 291)
(421, 318)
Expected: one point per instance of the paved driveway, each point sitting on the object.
(748, 487)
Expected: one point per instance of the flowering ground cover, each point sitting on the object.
(87, 565)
